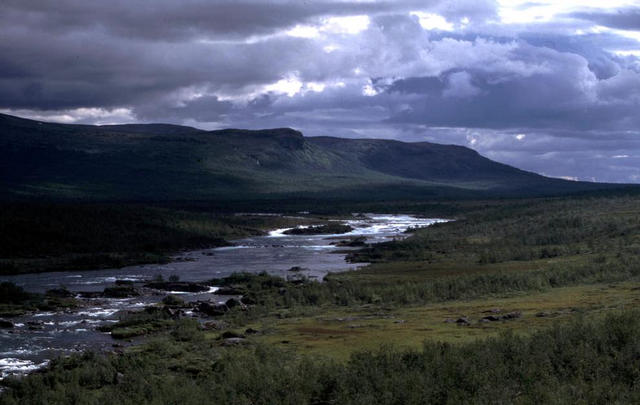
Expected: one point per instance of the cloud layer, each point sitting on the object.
(546, 87)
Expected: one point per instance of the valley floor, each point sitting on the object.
(557, 282)
(338, 333)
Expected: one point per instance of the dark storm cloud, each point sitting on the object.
(624, 19)
(418, 85)
(555, 96)
(84, 54)
(534, 87)
(94, 70)
(552, 100)
(592, 47)
(203, 109)
(171, 20)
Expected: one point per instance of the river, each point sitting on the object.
(37, 338)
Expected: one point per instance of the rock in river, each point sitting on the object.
(4, 324)
(182, 286)
(229, 291)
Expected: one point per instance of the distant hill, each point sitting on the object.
(172, 162)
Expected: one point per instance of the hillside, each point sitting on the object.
(171, 162)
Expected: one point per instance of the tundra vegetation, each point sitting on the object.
(516, 301)
(39, 237)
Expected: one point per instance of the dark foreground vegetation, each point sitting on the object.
(38, 237)
(274, 345)
(583, 362)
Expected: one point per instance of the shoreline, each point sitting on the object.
(97, 303)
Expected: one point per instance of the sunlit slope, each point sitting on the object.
(170, 162)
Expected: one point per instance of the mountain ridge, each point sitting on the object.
(174, 162)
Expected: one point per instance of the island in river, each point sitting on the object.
(37, 336)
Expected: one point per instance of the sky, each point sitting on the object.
(547, 86)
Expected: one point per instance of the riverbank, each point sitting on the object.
(45, 237)
(229, 361)
(107, 295)
(517, 302)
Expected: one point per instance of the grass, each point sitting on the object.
(415, 271)
(572, 257)
(584, 360)
(338, 333)
(378, 335)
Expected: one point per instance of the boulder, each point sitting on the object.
(181, 286)
(173, 301)
(512, 315)
(248, 301)
(233, 303)
(120, 379)
(230, 335)
(4, 324)
(212, 309)
(463, 321)
(215, 325)
(234, 341)
(90, 294)
(120, 292)
(297, 280)
(174, 313)
(59, 293)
